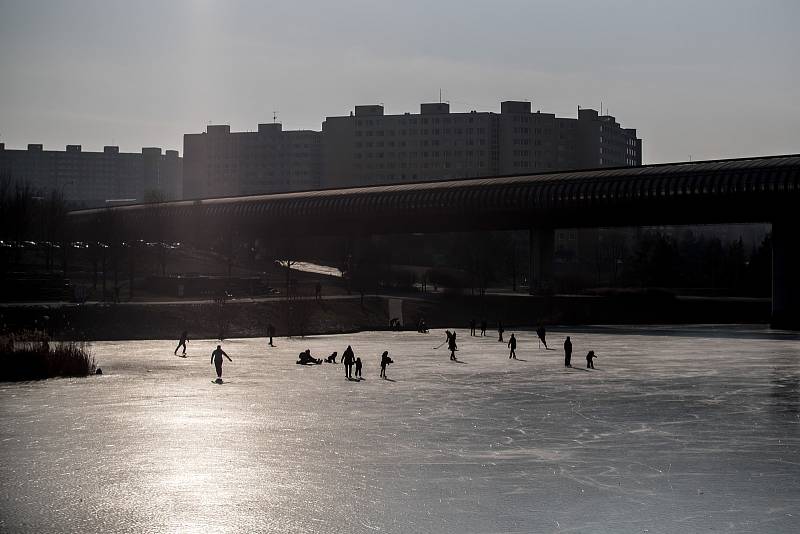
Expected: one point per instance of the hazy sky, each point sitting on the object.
(713, 78)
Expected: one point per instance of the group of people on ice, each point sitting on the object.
(353, 365)
(349, 360)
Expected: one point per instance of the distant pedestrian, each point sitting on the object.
(358, 368)
(589, 357)
(216, 359)
(348, 357)
(500, 331)
(512, 344)
(182, 342)
(542, 333)
(385, 360)
(567, 352)
(483, 327)
(472, 327)
(271, 333)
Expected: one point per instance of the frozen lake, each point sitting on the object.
(693, 429)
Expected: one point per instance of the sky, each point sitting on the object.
(698, 79)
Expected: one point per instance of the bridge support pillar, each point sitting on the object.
(542, 248)
(786, 274)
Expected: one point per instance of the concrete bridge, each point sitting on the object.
(749, 190)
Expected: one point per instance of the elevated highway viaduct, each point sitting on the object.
(750, 190)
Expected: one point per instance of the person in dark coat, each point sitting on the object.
(500, 331)
(542, 333)
(512, 344)
(358, 368)
(270, 333)
(589, 358)
(216, 359)
(348, 357)
(182, 342)
(483, 327)
(451, 343)
(472, 327)
(385, 360)
(332, 357)
(567, 352)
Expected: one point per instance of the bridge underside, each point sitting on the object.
(727, 191)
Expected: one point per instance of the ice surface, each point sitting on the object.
(677, 430)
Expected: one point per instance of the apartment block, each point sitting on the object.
(95, 179)
(369, 147)
(221, 163)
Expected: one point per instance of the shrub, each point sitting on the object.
(37, 360)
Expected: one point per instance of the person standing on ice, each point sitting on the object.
(500, 331)
(472, 327)
(216, 359)
(385, 360)
(512, 344)
(451, 345)
(567, 352)
(589, 358)
(348, 358)
(358, 368)
(483, 327)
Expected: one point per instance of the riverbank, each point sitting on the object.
(250, 317)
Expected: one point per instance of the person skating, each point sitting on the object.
(542, 333)
(348, 357)
(216, 359)
(270, 333)
(472, 327)
(182, 342)
(483, 327)
(358, 368)
(512, 344)
(385, 360)
(589, 358)
(451, 345)
(567, 352)
(500, 331)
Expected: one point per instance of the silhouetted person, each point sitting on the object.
(542, 333)
(182, 342)
(500, 331)
(305, 358)
(589, 357)
(451, 345)
(270, 333)
(512, 344)
(472, 327)
(348, 357)
(385, 360)
(567, 352)
(483, 327)
(332, 357)
(216, 359)
(358, 368)
(423, 326)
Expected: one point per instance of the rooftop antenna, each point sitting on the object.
(274, 116)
